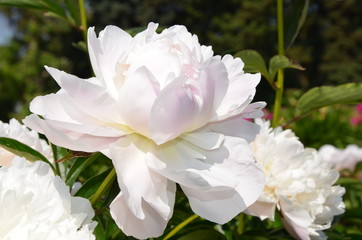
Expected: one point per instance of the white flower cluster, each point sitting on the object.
(35, 205)
(341, 158)
(19, 132)
(298, 184)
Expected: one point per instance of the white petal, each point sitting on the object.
(168, 121)
(295, 218)
(236, 126)
(140, 185)
(262, 210)
(72, 140)
(204, 140)
(152, 225)
(105, 52)
(136, 109)
(89, 96)
(216, 206)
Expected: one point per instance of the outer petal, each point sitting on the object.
(219, 182)
(105, 52)
(89, 95)
(295, 219)
(65, 138)
(241, 88)
(146, 193)
(262, 210)
(236, 127)
(152, 225)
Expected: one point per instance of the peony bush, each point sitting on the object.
(164, 140)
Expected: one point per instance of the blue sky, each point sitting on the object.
(6, 32)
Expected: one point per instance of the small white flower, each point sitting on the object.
(166, 111)
(341, 158)
(298, 184)
(35, 205)
(19, 132)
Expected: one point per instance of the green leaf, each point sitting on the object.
(294, 20)
(73, 9)
(327, 95)
(280, 62)
(254, 62)
(78, 166)
(42, 5)
(204, 234)
(22, 150)
(92, 184)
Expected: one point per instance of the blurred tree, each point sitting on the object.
(328, 45)
(38, 41)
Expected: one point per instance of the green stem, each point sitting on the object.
(180, 226)
(83, 19)
(280, 79)
(106, 184)
(241, 223)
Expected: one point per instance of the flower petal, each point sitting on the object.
(236, 127)
(142, 188)
(167, 121)
(64, 138)
(137, 114)
(88, 94)
(151, 225)
(105, 52)
(261, 209)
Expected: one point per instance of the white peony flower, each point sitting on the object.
(166, 111)
(19, 132)
(298, 184)
(341, 159)
(35, 204)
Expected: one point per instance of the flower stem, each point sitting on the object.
(280, 78)
(83, 19)
(106, 184)
(180, 226)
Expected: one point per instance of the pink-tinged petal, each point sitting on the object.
(65, 138)
(136, 108)
(236, 127)
(212, 84)
(167, 121)
(88, 94)
(253, 110)
(151, 225)
(155, 56)
(141, 186)
(261, 209)
(105, 52)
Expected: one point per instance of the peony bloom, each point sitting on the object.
(35, 204)
(166, 111)
(19, 132)
(298, 184)
(341, 159)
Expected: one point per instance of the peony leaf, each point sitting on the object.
(78, 166)
(280, 62)
(22, 150)
(202, 234)
(50, 6)
(92, 185)
(327, 95)
(294, 20)
(254, 62)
